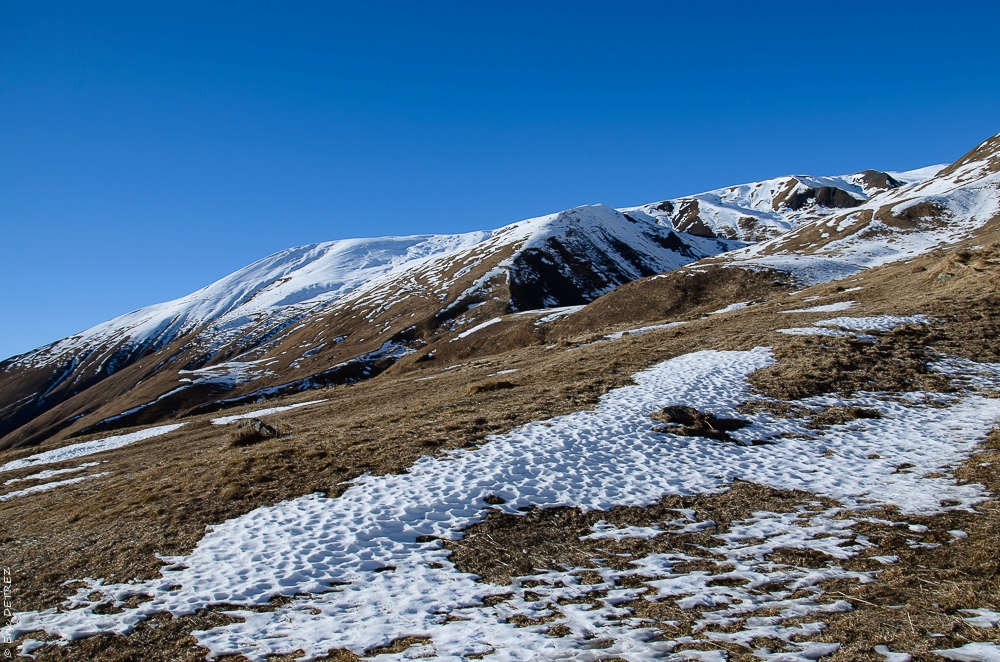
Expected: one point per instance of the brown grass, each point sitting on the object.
(840, 415)
(163, 492)
(486, 387)
(250, 431)
(691, 422)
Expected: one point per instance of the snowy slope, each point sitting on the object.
(896, 224)
(761, 210)
(277, 286)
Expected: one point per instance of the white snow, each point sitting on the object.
(556, 313)
(877, 323)
(725, 210)
(602, 529)
(44, 487)
(822, 331)
(972, 652)
(48, 473)
(222, 420)
(827, 308)
(968, 198)
(277, 289)
(731, 307)
(324, 553)
(643, 329)
(982, 618)
(74, 451)
(478, 327)
(890, 656)
(229, 373)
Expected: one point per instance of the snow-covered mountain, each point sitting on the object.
(342, 311)
(765, 209)
(896, 224)
(375, 291)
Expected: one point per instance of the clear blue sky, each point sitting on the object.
(146, 151)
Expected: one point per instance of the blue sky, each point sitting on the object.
(147, 151)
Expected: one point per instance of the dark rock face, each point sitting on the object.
(689, 220)
(879, 180)
(825, 196)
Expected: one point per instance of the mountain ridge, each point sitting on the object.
(340, 311)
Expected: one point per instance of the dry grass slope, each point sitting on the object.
(161, 493)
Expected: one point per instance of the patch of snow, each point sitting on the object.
(262, 412)
(823, 331)
(74, 451)
(972, 652)
(731, 307)
(557, 313)
(889, 656)
(982, 618)
(48, 473)
(44, 487)
(827, 308)
(478, 327)
(228, 374)
(602, 529)
(645, 329)
(877, 323)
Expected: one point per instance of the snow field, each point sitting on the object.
(329, 552)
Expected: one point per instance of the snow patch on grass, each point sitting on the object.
(478, 327)
(89, 447)
(731, 307)
(876, 323)
(826, 308)
(49, 473)
(222, 420)
(645, 329)
(44, 487)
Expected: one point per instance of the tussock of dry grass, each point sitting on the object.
(486, 387)
(840, 415)
(812, 365)
(249, 431)
(689, 421)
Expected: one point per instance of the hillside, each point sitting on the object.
(324, 314)
(342, 311)
(598, 435)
